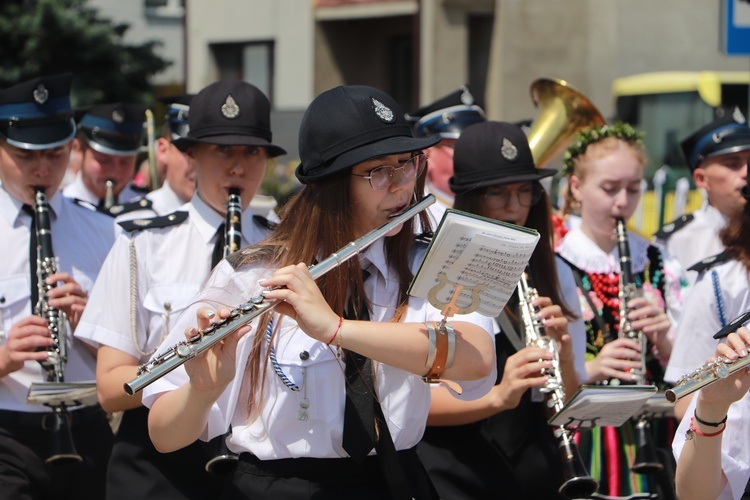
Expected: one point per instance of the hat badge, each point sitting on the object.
(230, 109)
(41, 94)
(466, 96)
(383, 112)
(508, 150)
(738, 116)
(118, 116)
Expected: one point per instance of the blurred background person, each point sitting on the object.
(110, 139)
(717, 155)
(447, 117)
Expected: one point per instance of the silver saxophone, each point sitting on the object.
(246, 312)
(62, 446)
(646, 460)
(224, 460)
(577, 482)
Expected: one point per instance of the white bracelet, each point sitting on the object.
(432, 347)
(451, 343)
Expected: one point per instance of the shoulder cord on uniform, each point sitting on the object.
(275, 363)
(719, 298)
(134, 299)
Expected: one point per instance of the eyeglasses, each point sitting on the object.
(526, 195)
(382, 177)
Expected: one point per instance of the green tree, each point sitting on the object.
(47, 37)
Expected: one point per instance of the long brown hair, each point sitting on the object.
(542, 263)
(736, 236)
(315, 223)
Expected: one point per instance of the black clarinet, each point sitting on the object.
(225, 460)
(577, 483)
(62, 448)
(646, 459)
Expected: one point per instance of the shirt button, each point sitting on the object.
(304, 355)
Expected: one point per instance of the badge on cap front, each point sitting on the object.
(383, 112)
(508, 150)
(230, 109)
(118, 116)
(41, 94)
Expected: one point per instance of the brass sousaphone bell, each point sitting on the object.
(563, 112)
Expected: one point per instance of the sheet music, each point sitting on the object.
(598, 406)
(485, 257)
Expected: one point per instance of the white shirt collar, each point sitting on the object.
(11, 208)
(582, 252)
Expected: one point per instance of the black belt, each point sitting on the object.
(317, 469)
(34, 420)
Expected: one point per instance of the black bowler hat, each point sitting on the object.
(230, 113)
(727, 134)
(114, 129)
(37, 114)
(448, 116)
(493, 153)
(178, 111)
(345, 126)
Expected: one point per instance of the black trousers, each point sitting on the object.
(322, 479)
(25, 444)
(137, 470)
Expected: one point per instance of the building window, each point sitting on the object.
(252, 62)
(164, 8)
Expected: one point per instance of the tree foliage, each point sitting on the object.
(48, 37)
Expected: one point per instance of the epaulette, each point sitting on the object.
(154, 222)
(712, 261)
(263, 222)
(670, 228)
(117, 210)
(126, 208)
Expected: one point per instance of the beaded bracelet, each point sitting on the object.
(336, 333)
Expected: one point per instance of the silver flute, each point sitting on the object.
(255, 306)
(712, 371)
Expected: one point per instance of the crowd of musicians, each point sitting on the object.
(348, 387)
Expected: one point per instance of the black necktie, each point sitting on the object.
(359, 410)
(32, 257)
(218, 247)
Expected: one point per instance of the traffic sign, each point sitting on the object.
(736, 27)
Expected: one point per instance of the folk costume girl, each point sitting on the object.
(606, 166)
(290, 383)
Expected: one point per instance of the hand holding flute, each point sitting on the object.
(725, 391)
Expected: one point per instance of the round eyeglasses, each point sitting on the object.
(527, 195)
(382, 177)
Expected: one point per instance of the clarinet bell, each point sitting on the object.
(577, 484)
(62, 448)
(225, 460)
(646, 460)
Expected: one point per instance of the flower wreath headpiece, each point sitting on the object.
(584, 139)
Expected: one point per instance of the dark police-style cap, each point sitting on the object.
(178, 112)
(230, 113)
(448, 116)
(113, 129)
(37, 114)
(492, 153)
(727, 134)
(345, 126)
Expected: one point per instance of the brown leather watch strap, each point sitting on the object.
(438, 367)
